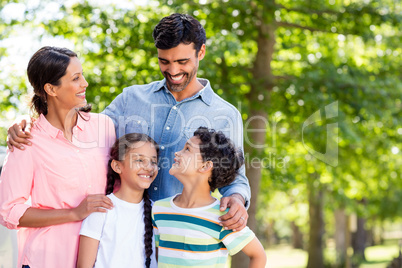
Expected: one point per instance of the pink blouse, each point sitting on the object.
(56, 174)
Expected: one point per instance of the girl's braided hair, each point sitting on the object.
(119, 149)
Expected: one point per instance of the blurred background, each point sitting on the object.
(319, 87)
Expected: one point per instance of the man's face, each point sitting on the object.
(179, 66)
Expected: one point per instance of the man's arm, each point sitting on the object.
(236, 196)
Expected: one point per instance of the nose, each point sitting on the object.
(148, 166)
(85, 83)
(174, 69)
(176, 154)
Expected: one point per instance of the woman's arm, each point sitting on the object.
(88, 249)
(256, 252)
(35, 217)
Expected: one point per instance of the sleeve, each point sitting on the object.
(16, 183)
(111, 132)
(236, 241)
(156, 231)
(92, 226)
(115, 111)
(240, 185)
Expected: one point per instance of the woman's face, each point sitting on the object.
(70, 93)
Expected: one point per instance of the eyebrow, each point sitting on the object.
(189, 144)
(174, 60)
(145, 155)
(78, 73)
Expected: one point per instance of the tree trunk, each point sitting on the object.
(297, 236)
(271, 235)
(261, 85)
(359, 241)
(341, 243)
(316, 245)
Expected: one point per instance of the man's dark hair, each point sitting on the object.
(224, 155)
(178, 28)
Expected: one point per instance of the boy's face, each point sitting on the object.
(179, 66)
(189, 160)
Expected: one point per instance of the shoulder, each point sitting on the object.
(213, 212)
(163, 202)
(223, 105)
(21, 158)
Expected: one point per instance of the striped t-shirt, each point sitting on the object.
(192, 237)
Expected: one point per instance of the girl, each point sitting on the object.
(63, 172)
(123, 237)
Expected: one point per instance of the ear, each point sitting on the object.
(115, 165)
(50, 89)
(206, 167)
(201, 53)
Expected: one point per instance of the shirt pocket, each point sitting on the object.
(63, 177)
(97, 164)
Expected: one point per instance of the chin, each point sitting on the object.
(82, 104)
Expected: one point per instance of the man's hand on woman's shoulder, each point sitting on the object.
(19, 133)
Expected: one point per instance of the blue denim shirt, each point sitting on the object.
(153, 110)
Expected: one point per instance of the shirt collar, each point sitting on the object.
(205, 94)
(53, 131)
(46, 126)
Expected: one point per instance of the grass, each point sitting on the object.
(379, 256)
(283, 256)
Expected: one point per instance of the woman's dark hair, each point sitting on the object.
(48, 65)
(119, 150)
(178, 28)
(221, 151)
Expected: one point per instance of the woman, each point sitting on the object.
(63, 172)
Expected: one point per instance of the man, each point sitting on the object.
(172, 109)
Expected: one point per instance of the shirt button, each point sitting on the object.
(77, 151)
(89, 186)
(162, 147)
(174, 107)
(155, 188)
(167, 128)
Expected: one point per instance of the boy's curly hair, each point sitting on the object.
(221, 151)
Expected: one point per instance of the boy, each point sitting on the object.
(186, 225)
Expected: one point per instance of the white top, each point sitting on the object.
(120, 232)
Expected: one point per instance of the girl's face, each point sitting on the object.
(71, 91)
(139, 167)
(189, 160)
